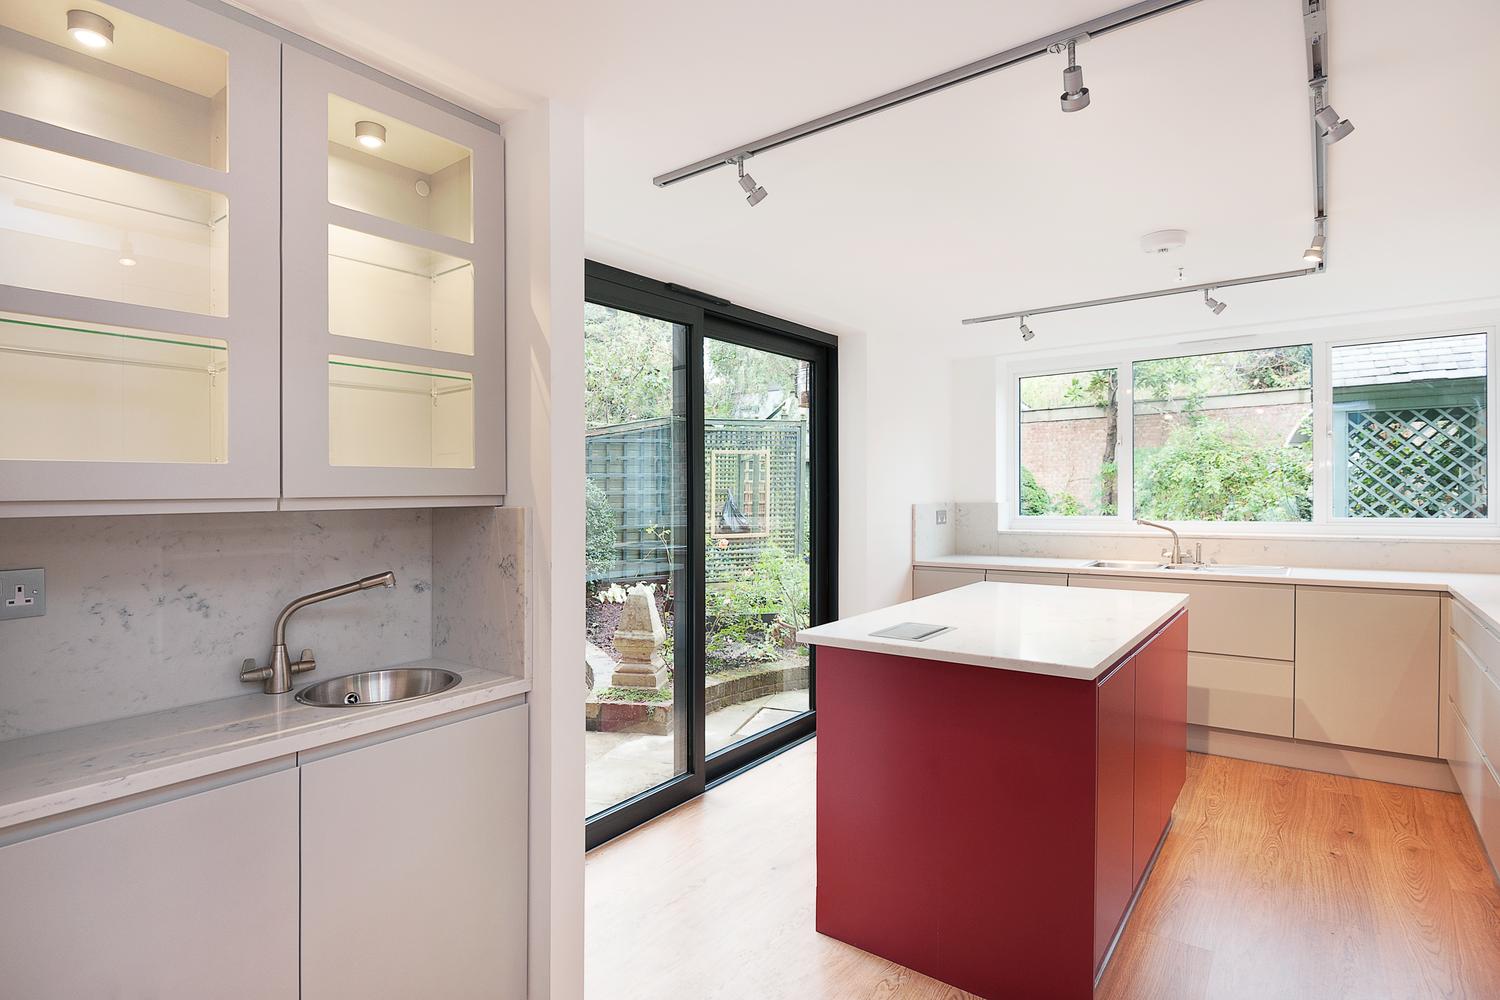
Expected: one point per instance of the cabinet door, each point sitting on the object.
(139, 335)
(194, 897)
(1114, 877)
(393, 337)
(414, 865)
(1230, 619)
(1367, 669)
(1160, 736)
(925, 582)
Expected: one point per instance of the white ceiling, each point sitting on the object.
(987, 198)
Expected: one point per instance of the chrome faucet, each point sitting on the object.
(1177, 558)
(279, 668)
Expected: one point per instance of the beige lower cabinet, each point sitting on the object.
(926, 581)
(1026, 576)
(414, 865)
(1480, 786)
(1241, 693)
(1367, 669)
(1230, 619)
(188, 898)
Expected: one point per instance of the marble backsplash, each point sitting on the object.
(152, 612)
(976, 533)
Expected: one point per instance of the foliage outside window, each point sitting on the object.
(1224, 437)
(1070, 431)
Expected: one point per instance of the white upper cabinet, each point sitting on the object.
(393, 340)
(139, 323)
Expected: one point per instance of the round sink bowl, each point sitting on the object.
(378, 687)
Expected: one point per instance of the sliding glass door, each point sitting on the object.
(710, 541)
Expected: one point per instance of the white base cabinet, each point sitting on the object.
(414, 865)
(190, 898)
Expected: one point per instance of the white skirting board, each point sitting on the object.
(1420, 772)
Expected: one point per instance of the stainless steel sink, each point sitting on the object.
(1123, 564)
(378, 687)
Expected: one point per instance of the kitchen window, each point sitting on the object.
(1381, 434)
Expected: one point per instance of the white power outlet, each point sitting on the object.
(24, 592)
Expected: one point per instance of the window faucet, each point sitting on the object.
(279, 668)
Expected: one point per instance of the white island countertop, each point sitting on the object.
(1060, 631)
(52, 773)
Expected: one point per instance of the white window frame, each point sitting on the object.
(1322, 341)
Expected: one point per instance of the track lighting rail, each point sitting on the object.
(1121, 18)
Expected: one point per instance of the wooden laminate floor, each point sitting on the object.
(1274, 884)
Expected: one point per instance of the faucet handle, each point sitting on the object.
(305, 662)
(249, 671)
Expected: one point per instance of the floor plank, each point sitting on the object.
(1274, 884)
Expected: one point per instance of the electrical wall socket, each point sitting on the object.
(942, 515)
(23, 593)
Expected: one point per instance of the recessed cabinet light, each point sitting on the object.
(370, 135)
(89, 29)
(127, 254)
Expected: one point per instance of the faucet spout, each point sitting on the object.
(279, 668)
(1176, 541)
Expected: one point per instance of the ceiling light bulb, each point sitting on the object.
(1334, 128)
(370, 135)
(89, 29)
(1075, 96)
(1214, 305)
(1026, 331)
(754, 193)
(1314, 253)
(127, 254)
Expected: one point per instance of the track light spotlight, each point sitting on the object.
(1334, 128)
(1026, 331)
(1214, 305)
(1075, 96)
(754, 193)
(1314, 253)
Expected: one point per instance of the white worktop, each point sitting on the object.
(1480, 592)
(1074, 633)
(53, 773)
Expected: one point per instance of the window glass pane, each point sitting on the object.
(82, 228)
(90, 392)
(390, 415)
(1225, 437)
(149, 87)
(382, 166)
(1069, 438)
(1410, 428)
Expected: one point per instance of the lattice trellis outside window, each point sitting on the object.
(1412, 462)
(739, 493)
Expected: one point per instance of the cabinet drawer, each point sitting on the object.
(1021, 576)
(1232, 619)
(925, 582)
(1238, 692)
(1476, 695)
(1481, 790)
(1483, 643)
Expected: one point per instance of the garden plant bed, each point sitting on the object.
(620, 710)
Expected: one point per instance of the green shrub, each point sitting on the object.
(1209, 472)
(754, 614)
(599, 531)
(1035, 500)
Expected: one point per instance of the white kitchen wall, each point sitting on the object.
(146, 613)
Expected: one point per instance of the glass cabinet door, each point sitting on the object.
(393, 323)
(124, 292)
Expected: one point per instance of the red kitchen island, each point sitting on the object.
(991, 798)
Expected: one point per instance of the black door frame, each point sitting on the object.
(706, 316)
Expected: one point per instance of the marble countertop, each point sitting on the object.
(52, 773)
(1480, 592)
(1076, 633)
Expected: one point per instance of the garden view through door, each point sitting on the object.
(756, 468)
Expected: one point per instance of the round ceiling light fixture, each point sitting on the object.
(1164, 241)
(90, 30)
(370, 135)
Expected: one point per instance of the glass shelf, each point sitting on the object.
(151, 88)
(396, 293)
(413, 177)
(82, 228)
(386, 415)
(97, 393)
